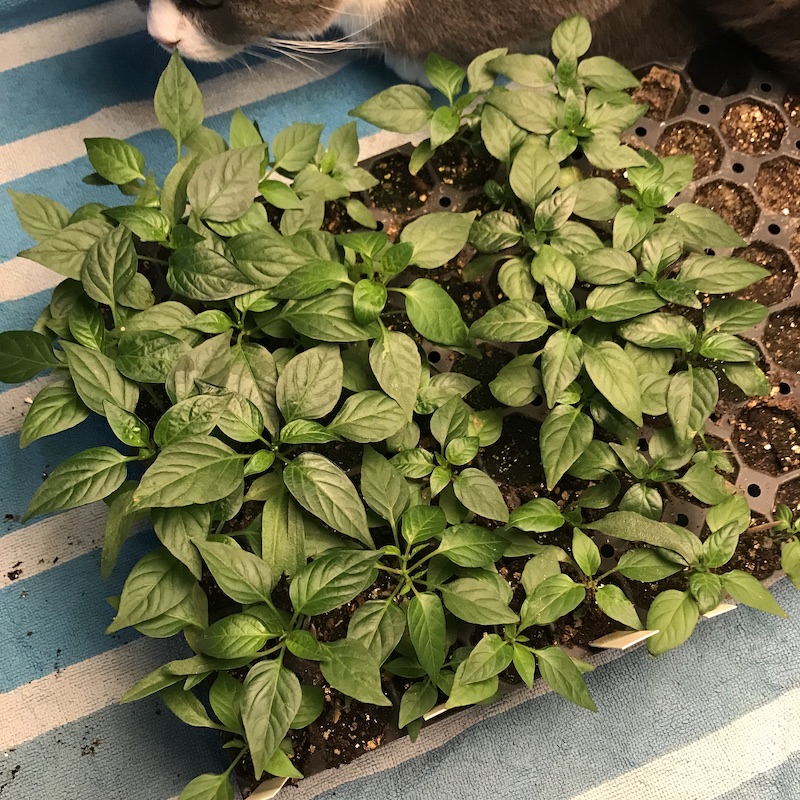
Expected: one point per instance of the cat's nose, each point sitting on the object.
(166, 43)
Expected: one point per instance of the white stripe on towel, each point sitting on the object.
(77, 690)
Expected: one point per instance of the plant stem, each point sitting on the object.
(153, 260)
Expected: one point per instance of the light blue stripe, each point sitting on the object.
(20, 314)
(29, 466)
(649, 707)
(139, 750)
(58, 617)
(16, 13)
(779, 783)
(72, 86)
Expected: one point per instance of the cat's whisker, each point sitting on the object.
(303, 60)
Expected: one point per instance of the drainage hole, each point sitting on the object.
(738, 168)
(703, 108)
(784, 388)
(766, 87)
(445, 202)
(378, 226)
(537, 401)
(754, 490)
(682, 519)
(774, 229)
(606, 550)
(640, 131)
(434, 357)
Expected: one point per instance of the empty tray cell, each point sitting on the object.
(782, 338)
(696, 140)
(767, 437)
(778, 285)
(778, 185)
(735, 204)
(753, 127)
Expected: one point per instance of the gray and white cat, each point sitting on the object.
(405, 31)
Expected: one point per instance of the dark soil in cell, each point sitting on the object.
(778, 185)
(791, 102)
(733, 203)
(696, 140)
(779, 284)
(753, 127)
(471, 298)
(789, 494)
(398, 191)
(767, 437)
(782, 338)
(663, 91)
(484, 370)
(456, 165)
(345, 454)
(337, 220)
(584, 625)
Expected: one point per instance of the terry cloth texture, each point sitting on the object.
(719, 718)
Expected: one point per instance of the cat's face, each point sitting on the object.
(214, 30)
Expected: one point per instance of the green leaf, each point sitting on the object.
(552, 599)
(282, 535)
(512, 321)
(115, 160)
(435, 314)
(426, 629)
(178, 102)
(177, 527)
(790, 560)
(272, 697)
(368, 416)
(202, 274)
(225, 696)
(24, 354)
(706, 588)
(541, 567)
(614, 375)
(397, 366)
(604, 73)
(562, 358)
(701, 228)
(417, 701)
(40, 217)
(437, 237)
(612, 601)
(537, 516)
(253, 375)
(748, 377)
(517, 383)
(659, 331)
(534, 173)
(490, 656)
(606, 267)
(296, 146)
(472, 546)
(744, 588)
(480, 494)
(704, 484)
(733, 316)
(223, 187)
(55, 408)
(350, 668)
(563, 676)
(479, 74)
(727, 347)
(311, 707)
(631, 225)
(647, 566)
(445, 76)
(243, 576)
(369, 298)
(156, 584)
(328, 317)
(65, 251)
(191, 417)
(621, 302)
(194, 470)
(310, 384)
(477, 601)
(691, 398)
(109, 267)
(633, 527)
(403, 109)
(326, 492)
(378, 625)
(149, 356)
(565, 435)
(674, 615)
(383, 488)
(83, 478)
(234, 636)
(208, 786)
(585, 553)
(718, 274)
(571, 39)
(500, 135)
(421, 523)
(149, 224)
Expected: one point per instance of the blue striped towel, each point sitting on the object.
(719, 718)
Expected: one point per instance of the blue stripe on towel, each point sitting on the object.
(29, 466)
(19, 315)
(66, 613)
(769, 785)
(647, 708)
(15, 14)
(139, 750)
